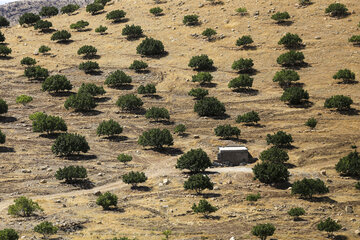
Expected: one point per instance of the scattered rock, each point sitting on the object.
(166, 181)
(43, 181)
(349, 209)
(317, 37)
(26, 171)
(357, 232)
(36, 52)
(97, 193)
(196, 136)
(323, 172)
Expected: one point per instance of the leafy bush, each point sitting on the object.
(36, 73)
(349, 165)
(89, 66)
(156, 11)
(23, 207)
(290, 41)
(201, 62)
(49, 11)
(243, 65)
(156, 138)
(274, 155)
(248, 118)
(116, 15)
(340, 102)
(296, 212)
(8, 234)
(3, 106)
(191, 20)
(28, 61)
(180, 129)
(336, 10)
(202, 78)
(109, 128)
(94, 8)
(79, 25)
(61, 36)
(69, 143)
(56, 83)
(44, 49)
(28, 18)
(198, 182)
(134, 178)
(279, 139)
(2, 37)
(42, 25)
(150, 47)
(4, 51)
(263, 230)
(129, 102)
(147, 89)
(101, 29)
(91, 89)
(329, 226)
(345, 75)
(138, 66)
(280, 17)
(23, 99)
(242, 11)
(70, 8)
(195, 160)
(132, 31)
(244, 41)
(308, 187)
(204, 207)
(227, 131)
(107, 200)
(157, 113)
(241, 82)
(198, 93)
(285, 77)
(71, 173)
(355, 39)
(268, 172)
(47, 123)
(304, 2)
(88, 51)
(311, 122)
(4, 22)
(117, 79)
(253, 197)
(291, 58)
(80, 102)
(209, 106)
(2, 138)
(294, 95)
(124, 158)
(46, 229)
(209, 32)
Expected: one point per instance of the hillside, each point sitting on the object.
(27, 164)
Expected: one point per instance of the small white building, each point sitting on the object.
(233, 155)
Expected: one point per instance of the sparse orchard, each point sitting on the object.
(355, 39)
(349, 165)
(285, 77)
(291, 59)
(148, 89)
(132, 32)
(157, 113)
(101, 29)
(337, 10)
(44, 49)
(242, 82)
(296, 213)
(3, 106)
(69, 9)
(253, 197)
(4, 22)
(274, 155)
(2, 137)
(91, 89)
(311, 123)
(43, 25)
(156, 11)
(345, 75)
(87, 51)
(209, 33)
(47, 123)
(48, 11)
(295, 95)
(280, 17)
(5, 51)
(244, 41)
(290, 41)
(139, 66)
(180, 129)
(8, 234)
(36, 73)
(330, 226)
(124, 158)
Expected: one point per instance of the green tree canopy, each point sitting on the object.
(195, 160)
(70, 143)
(198, 182)
(71, 174)
(156, 138)
(306, 188)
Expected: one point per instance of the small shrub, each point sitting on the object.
(291, 58)
(156, 138)
(23, 99)
(8, 234)
(134, 178)
(56, 83)
(101, 29)
(202, 78)
(89, 67)
(4, 22)
(180, 129)
(201, 62)
(150, 47)
(138, 66)
(340, 102)
(48, 11)
(116, 15)
(243, 65)
(91, 89)
(209, 106)
(5, 51)
(349, 165)
(294, 95)
(109, 128)
(290, 41)
(124, 158)
(227, 131)
(107, 200)
(304, 2)
(269, 173)
(3, 106)
(61, 36)
(345, 75)
(28, 19)
(2, 37)
(209, 33)
(241, 82)
(156, 11)
(69, 143)
(198, 93)
(279, 139)
(311, 123)
(69, 9)
(80, 102)
(47, 123)
(198, 182)
(117, 79)
(88, 51)
(129, 102)
(157, 113)
(42, 25)
(296, 212)
(204, 207)
(44, 49)
(94, 8)
(244, 41)
(79, 25)
(306, 188)
(274, 155)
(248, 118)
(191, 20)
(46, 229)
(71, 174)
(36, 73)
(195, 160)
(263, 230)
(23, 207)
(329, 226)
(336, 10)
(285, 77)
(28, 61)
(355, 39)
(147, 89)
(253, 197)
(2, 138)
(280, 17)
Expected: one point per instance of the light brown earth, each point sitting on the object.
(147, 214)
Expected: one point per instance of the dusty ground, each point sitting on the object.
(147, 214)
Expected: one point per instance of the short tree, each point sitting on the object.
(4, 22)
(44, 49)
(5, 51)
(291, 59)
(296, 212)
(253, 197)
(249, 118)
(263, 230)
(157, 113)
(138, 66)
(69, 143)
(23, 99)
(336, 10)
(8, 234)
(91, 89)
(294, 95)
(243, 65)
(46, 229)
(209, 106)
(204, 207)
(117, 79)
(156, 11)
(2, 37)
(116, 15)
(87, 51)
(349, 165)
(43, 25)
(191, 20)
(345, 75)
(48, 11)
(227, 131)
(28, 61)
(101, 29)
(89, 67)
(290, 41)
(79, 25)
(2, 137)
(69, 9)
(202, 78)
(209, 33)
(156, 138)
(129, 102)
(47, 123)
(61, 36)
(56, 83)
(355, 39)
(71, 174)
(107, 200)
(195, 160)
(3, 106)
(274, 155)
(201, 63)
(150, 47)
(243, 81)
(28, 19)
(198, 93)
(23, 207)
(340, 102)
(306, 188)
(244, 41)
(311, 123)
(280, 17)
(94, 8)
(180, 129)
(36, 73)
(134, 178)
(285, 77)
(242, 11)
(268, 172)
(80, 102)
(198, 182)
(124, 158)
(147, 89)
(279, 139)
(329, 226)
(132, 31)
(109, 128)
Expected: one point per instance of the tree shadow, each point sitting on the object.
(249, 47)
(304, 104)
(81, 157)
(158, 56)
(183, 135)
(141, 188)
(340, 237)
(84, 30)
(251, 71)
(117, 138)
(345, 15)
(116, 209)
(102, 99)
(65, 42)
(154, 96)
(211, 69)
(296, 47)
(91, 113)
(295, 84)
(61, 94)
(143, 71)
(209, 85)
(82, 184)
(50, 135)
(6, 57)
(122, 20)
(165, 122)
(281, 185)
(96, 56)
(222, 117)
(168, 151)
(4, 119)
(297, 66)
(285, 23)
(321, 199)
(289, 165)
(234, 139)
(46, 31)
(210, 195)
(349, 82)
(350, 112)
(94, 73)
(248, 91)
(256, 125)
(6, 149)
(123, 87)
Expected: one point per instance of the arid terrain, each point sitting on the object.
(146, 214)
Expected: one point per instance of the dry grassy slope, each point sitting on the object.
(144, 216)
